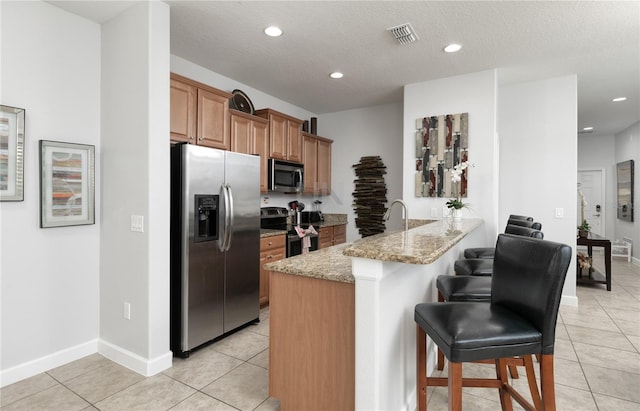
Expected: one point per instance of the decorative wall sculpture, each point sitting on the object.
(370, 195)
(441, 143)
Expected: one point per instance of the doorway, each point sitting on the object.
(592, 185)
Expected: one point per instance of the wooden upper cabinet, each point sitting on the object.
(213, 123)
(278, 137)
(261, 147)
(183, 112)
(316, 157)
(199, 113)
(285, 138)
(250, 135)
(294, 142)
(310, 161)
(324, 166)
(240, 127)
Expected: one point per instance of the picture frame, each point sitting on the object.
(67, 184)
(12, 123)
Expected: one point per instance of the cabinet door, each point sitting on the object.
(213, 123)
(241, 129)
(339, 234)
(261, 147)
(183, 112)
(294, 141)
(278, 137)
(271, 249)
(325, 237)
(310, 161)
(323, 175)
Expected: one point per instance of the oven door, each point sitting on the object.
(294, 244)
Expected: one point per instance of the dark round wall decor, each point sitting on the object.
(240, 101)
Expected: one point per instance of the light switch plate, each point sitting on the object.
(137, 223)
(559, 212)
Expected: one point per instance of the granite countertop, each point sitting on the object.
(326, 264)
(420, 245)
(331, 219)
(265, 232)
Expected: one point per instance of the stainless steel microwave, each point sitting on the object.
(285, 177)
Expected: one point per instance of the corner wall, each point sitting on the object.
(134, 266)
(538, 125)
(49, 297)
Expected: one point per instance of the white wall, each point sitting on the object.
(49, 298)
(628, 148)
(598, 153)
(135, 125)
(474, 94)
(362, 132)
(538, 158)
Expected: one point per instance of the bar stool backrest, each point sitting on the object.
(523, 231)
(528, 276)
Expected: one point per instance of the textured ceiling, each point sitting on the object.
(526, 40)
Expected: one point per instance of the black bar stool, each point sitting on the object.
(519, 321)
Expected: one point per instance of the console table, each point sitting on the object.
(594, 240)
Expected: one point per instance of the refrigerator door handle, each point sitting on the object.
(230, 213)
(222, 241)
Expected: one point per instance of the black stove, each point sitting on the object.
(276, 218)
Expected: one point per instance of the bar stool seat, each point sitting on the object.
(474, 266)
(464, 288)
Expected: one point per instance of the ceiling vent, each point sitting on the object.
(404, 33)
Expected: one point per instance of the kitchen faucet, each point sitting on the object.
(405, 213)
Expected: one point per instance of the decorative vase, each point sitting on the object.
(583, 233)
(456, 213)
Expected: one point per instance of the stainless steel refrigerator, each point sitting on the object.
(215, 244)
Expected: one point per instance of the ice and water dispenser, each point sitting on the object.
(206, 217)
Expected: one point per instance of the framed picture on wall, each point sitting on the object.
(67, 184)
(11, 153)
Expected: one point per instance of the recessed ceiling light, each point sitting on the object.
(619, 99)
(336, 74)
(452, 48)
(273, 31)
(587, 129)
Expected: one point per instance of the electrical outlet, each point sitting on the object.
(126, 311)
(434, 212)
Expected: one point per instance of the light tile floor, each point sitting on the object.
(597, 367)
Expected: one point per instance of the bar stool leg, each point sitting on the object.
(547, 383)
(501, 373)
(531, 379)
(440, 362)
(455, 386)
(421, 368)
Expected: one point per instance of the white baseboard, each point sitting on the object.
(133, 361)
(46, 363)
(146, 367)
(571, 301)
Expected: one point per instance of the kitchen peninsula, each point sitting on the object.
(342, 334)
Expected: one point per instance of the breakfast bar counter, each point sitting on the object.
(342, 335)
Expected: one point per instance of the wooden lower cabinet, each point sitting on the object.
(332, 235)
(312, 343)
(271, 249)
